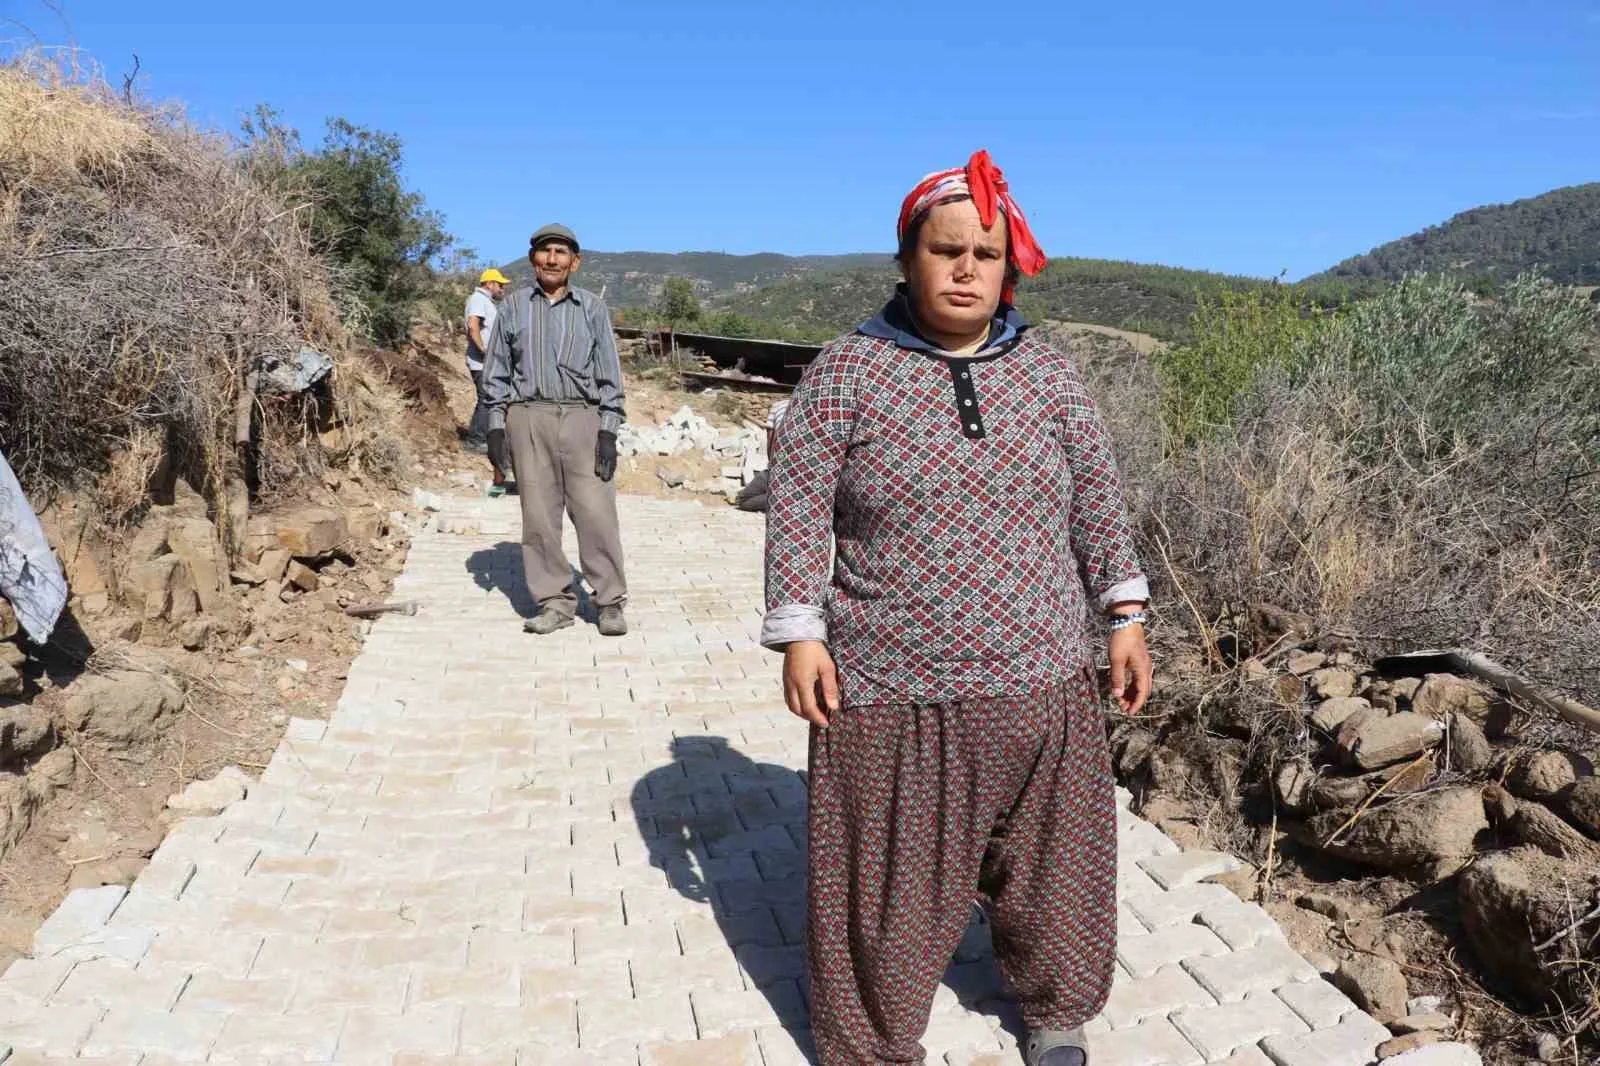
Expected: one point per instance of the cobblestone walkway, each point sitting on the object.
(572, 850)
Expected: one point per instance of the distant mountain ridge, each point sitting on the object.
(815, 296)
(823, 295)
(1143, 297)
(635, 279)
(1556, 234)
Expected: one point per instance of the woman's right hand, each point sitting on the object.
(810, 681)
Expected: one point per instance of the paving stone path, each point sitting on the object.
(571, 850)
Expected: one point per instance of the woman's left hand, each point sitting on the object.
(1132, 674)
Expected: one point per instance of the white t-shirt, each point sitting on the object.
(479, 305)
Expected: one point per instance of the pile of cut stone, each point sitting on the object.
(742, 452)
(1433, 778)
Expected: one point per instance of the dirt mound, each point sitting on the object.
(145, 277)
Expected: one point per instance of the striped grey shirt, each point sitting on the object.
(562, 351)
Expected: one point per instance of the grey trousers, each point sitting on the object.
(478, 428)
(552, 452)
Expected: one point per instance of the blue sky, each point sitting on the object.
(1238, 136)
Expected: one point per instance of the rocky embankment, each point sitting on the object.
(1397, 817)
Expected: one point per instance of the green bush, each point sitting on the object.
(379, 239)
(1237, 337)
(678, 305)
(1422, 468)
(1433, 371)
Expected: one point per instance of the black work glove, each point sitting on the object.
(605, 455)
(497, 450)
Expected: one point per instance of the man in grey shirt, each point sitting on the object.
(553, 385)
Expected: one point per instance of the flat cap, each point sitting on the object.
(553, 231)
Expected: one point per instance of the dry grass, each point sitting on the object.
(142, 273)
(52, 130)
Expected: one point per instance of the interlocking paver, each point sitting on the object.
(572, 851)
(1219, 1031)
(1350, 1043)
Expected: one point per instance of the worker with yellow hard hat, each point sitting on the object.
(481, 311)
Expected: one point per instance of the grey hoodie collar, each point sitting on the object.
(895, 323)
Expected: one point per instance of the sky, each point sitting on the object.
(1253, 138)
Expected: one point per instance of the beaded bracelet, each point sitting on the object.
(1133, 618)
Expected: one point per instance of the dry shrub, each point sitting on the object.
(47, 134)
(142, 272)
(1427, 474)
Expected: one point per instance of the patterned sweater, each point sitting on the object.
(971, 501)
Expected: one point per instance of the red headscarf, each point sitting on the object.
(986, 184)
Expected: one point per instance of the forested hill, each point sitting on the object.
(1135, 296)
(635, 279)
(1557, 234)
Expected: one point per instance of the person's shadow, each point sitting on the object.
(500, 569)
(731, 832)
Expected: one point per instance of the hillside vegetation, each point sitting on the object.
(637, 279)
(1557, 235)
(151, 272)
(818, 297)
(1144, 297)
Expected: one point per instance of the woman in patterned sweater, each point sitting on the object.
(961, 471)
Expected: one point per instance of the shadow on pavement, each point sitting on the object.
(499, 569)
(730, 831)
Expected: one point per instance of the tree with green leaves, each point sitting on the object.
(379, 238)
(678, 303)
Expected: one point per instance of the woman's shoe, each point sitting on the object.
(1056, 1047)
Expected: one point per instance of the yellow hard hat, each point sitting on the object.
(493, 275)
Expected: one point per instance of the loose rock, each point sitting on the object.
(194, 542)
(1331, 714)
(1582, 805)
(1530, 822)
(210, 797)
(315, 531)
(1514, 901)
(1442, 695)
(1293, 784)
(1405, 688)
(1376, 984)
(1334, 793)
(1410, 1042)
(1332, 683)
(196, 632)
(1436, 832)
(25, 732)
(1301, 663)
(274, 563)
(10, 680)
(1542, 775)
(1380, 742)
(1468, 748)
(1423, 1023)
(122, 707)
(302, 577)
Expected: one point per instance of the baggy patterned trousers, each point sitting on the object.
(917, 810)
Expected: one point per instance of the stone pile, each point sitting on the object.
(12, 656)
(289, 552)
(741, 453)
(1430, 779)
